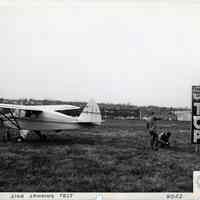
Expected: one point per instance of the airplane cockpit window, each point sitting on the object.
(72, 113)
(31, 114)
(26, 114)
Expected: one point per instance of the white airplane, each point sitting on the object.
(47, 117)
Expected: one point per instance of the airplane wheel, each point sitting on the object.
(20, 139)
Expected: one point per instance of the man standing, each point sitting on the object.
(152, 129)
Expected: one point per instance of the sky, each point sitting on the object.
(137, 52)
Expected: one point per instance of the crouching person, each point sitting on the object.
(163, 139)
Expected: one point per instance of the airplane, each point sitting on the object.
(38, 118)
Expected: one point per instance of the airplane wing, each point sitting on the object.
(56, 107)
(39, 108)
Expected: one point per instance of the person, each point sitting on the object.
(152, 129)
(163, 139)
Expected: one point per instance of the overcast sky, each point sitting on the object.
(137, 52)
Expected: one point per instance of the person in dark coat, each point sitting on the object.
(152, 129)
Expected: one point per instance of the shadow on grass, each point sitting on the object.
(64, 141)
(182, 148)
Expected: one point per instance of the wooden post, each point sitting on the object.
(196, 148)
(189, 135)
(140, 115)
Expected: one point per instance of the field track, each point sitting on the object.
(115, 157)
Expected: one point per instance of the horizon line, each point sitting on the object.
(114, 103)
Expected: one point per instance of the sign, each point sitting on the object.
(195, 115)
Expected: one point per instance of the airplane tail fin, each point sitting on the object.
(91, 114)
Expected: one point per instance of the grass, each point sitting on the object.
(115, 157)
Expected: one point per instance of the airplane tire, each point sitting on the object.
(19, 139)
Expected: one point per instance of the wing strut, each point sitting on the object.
(11, 119)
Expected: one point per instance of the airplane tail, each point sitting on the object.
(91, 114)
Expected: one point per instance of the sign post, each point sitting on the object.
(195, 133)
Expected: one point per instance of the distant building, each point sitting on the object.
(183, 115)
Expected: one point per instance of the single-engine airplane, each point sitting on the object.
(38, 118)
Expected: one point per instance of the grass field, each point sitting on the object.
(114, 157)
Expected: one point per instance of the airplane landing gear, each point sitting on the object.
(22, 135)
(19, 139)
